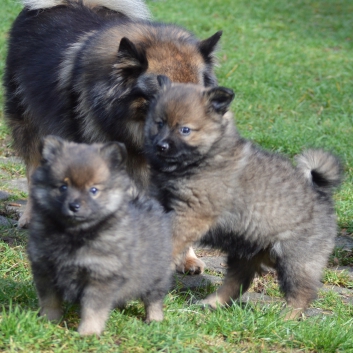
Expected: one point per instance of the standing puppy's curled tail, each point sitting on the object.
(322, 168)
(135, 9)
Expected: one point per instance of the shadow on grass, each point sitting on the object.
(18, 297)
(20, 293)
(13, 237)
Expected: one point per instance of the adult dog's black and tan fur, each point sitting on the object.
(230, 194)
(86, 71)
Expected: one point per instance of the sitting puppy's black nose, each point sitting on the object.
(74, 206)
(163, 146)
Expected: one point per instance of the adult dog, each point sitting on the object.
(87, 70)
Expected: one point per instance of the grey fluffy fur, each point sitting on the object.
(136, 9)
(91, 241)
(231, 194)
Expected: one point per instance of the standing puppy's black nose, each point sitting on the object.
(163, 146)
(74, 206)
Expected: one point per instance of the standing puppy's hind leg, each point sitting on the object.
(240, 274)
(299, 273)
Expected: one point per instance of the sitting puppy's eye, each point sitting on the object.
(160, 124)
(63, 188)
(184, 130)
(93, 191)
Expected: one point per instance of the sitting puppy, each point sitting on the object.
(91, 241)
(232, 195)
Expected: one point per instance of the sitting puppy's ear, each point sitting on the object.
(114, 152)
(50, 147)
(219, 99)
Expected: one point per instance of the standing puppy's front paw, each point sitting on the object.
(191, 264)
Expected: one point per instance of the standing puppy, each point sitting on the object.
(90, 241)
(227, 192)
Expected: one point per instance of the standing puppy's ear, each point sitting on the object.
(208, 46)
(50, 147)
(219, 99)
(114, 152)
(164, 82)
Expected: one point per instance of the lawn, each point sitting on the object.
(291, 66)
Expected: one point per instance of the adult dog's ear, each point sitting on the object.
(219, 99)
(131, 61)
(208, 46)
(50, 147)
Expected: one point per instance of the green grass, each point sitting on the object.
(186, 328)
(291, 66)
(10, 9)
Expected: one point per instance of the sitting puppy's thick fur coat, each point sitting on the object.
(90, 240)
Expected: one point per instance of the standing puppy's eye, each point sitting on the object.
(93, 191)
(184, 130)
(63, 188)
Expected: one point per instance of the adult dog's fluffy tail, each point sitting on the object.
(321, 168)
(135, 9)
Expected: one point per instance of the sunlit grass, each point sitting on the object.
(291, 66)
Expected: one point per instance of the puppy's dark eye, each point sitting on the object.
(185, 131)
(63, 188)
(93, 191)
(160, 124)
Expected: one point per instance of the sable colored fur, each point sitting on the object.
(87, 70)
(90, 240)
(232, 195)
